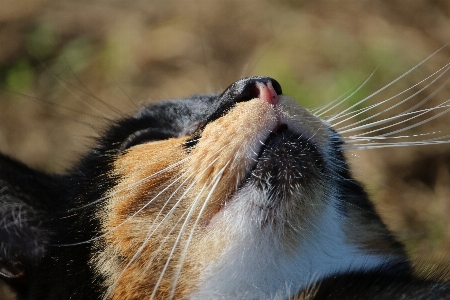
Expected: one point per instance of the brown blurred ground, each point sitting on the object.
(58, 59)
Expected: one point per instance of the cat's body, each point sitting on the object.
(242, 195)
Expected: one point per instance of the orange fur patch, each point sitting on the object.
(228, 150)
(138, 240)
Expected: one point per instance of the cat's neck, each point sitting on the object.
(328, 248)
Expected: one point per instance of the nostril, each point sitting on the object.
(254, 91)
(276, 86)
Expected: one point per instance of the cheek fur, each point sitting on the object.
(141, 220)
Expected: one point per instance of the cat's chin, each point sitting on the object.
(286, 163)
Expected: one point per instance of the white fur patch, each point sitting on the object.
(257, 266)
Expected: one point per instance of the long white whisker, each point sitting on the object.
(389, 135)
(149, 202)
(214, 185)
(357, 139)
(136, 255)
(391, 145)
(154, 229)
(386, 86)
(413, 115)
(183, 254)
(131, 216)
(418, 123)
(131, 186)
(359, 111)
(319, 113)
(170, 197)
(390, 98)
(81, 100)
(151, 232)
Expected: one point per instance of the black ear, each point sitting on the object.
(26, 198)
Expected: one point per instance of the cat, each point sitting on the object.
(238, 195)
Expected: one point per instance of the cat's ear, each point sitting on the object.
(26, 198)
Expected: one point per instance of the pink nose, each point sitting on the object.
(267, 93)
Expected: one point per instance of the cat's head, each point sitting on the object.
(243, 194)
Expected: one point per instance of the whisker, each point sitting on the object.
(414, 114)
(319, 113)
(66, 87)
(356, 112)
(214, 183)
(137, 183)
(398, 144)
(151, 231)
(390, 98)
(127, 219)
(418, 123)
(51, 105)
(88, 92)
(358, 138)
(202, 209)
(143, 207)
(136, 255)
(386, 86)
(119, 86)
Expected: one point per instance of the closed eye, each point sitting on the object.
(145, 136)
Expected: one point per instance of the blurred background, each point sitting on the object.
(67, 67)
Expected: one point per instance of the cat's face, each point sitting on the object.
(216, 187)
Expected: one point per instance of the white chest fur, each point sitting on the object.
(257, 267)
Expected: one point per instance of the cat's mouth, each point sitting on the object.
(287, 163)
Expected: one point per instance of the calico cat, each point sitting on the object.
(239, 195)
